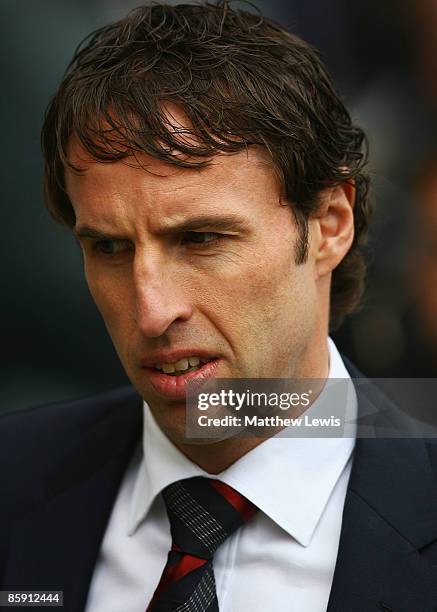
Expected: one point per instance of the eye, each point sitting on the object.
(112, 247)
(200, 237)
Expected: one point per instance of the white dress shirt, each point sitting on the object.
(282, 560)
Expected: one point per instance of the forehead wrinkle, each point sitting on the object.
(164, 201)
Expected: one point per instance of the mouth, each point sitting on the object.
(170, 380)
(183, 366)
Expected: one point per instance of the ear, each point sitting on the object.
(332, 227)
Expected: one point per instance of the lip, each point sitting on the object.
(175, 355)
(175, 387)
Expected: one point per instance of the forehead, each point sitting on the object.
(143, 184)
(149, 179)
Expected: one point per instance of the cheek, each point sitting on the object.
(267, 302)
(275, 284)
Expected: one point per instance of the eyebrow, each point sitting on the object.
(224, 223)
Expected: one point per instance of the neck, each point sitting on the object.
(216, 457)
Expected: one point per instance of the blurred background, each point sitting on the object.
(383, 57)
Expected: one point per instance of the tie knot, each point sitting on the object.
(203, 512)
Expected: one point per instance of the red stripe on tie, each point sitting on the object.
(238, 501)
(175, 572)
(184, 566)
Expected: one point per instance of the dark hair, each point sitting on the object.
(241, 80)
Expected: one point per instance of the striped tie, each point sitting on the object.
(202, 514)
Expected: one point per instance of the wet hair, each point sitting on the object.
(241, 80)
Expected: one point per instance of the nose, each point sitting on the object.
(161, 299)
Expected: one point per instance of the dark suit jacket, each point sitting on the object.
(62, 465)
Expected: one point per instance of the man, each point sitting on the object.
(215, 183)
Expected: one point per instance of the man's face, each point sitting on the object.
(196, 263)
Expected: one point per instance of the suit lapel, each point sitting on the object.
(55, 545)
(390, 513)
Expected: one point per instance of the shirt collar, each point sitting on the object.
(289, 479)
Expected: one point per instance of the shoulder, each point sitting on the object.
(52, 452)
(33, 439)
